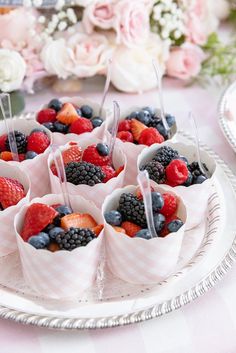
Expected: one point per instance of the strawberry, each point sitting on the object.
(38, 142)
(124, 125)
(97, 230)
(119, 170)
(68, 114)
(109, 172)
(136, 128)
(170, 204)
(150, 136)
(72, 154)
(80, 126)
(37, 217)
(119, 229)
(125, 136)
(92, 155)
(130, 228)
(3, 139)
(78, 220)
(8, 156)
(11, 192)
(46, 116)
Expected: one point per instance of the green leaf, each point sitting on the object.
(17, 103)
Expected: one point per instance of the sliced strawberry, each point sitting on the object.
(137, 128)
(119, 170)
(11, 192)
(3, 139)
(78, 220)
(37, 217)
(6, 156)
(68, 114)
(130, 228)
(72, 154)
(38, 142)
(119, 229)
(97, 230)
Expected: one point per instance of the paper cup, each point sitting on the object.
(60, 274)
(137, 260)
(195, 196)
(98, 192)
(7, 234)
(36, 168)
(132, 151)
(62, 139)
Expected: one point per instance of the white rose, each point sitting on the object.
(132, 69)
(56, 59)
(12, 70)
(83, 3)
(220, 8)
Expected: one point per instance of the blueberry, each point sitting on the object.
(87, 111)
(170, 120)
(113, 217)
(55, 104)
(59, 127)
(162, 130)
(143, 233)
(159, 221)
(150, 110)
(63, 210)
(157, 201)
(96, 122)
(183, 159)
(54, 232)
(79, 111)
(39, 241)
(144, 117)
(133, 115)
(102, 149)
(30, 155)
(49, 126)
(199, 179)
(174, 226)
(189, 181)
(38, 130)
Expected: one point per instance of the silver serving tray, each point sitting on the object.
(227, 114)
(214, 258)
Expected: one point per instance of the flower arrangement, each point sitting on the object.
(77, 41)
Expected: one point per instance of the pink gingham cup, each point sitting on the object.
(7, 235)
(60, 274)
(137, 260)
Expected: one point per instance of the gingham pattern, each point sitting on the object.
(136, 260)
(7, 233)
(98, 192)
(70, 271)
(35, 168)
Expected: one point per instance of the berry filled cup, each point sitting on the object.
(132, 254)
(175, 164)
(59, 245)
(140, 127)
(32, 142)
(89, 170)
(72, 118)
(14, 194)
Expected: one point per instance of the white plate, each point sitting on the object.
(227, 114)
(124, 303)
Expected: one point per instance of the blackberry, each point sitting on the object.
(155, 170)
(21, 142)
(154, 121)
(132, 209)
(195, 169)
(84, 173)
(74, 238)
(165, 155)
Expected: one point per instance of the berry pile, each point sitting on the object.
(90, 167)
(68, 118)
(11, 192)
(144, 127)
(168, 167)
(28, 147)
(57, 227)
(130, 218)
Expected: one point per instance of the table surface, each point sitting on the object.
(206, 325)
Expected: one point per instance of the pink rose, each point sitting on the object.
(132, 22)
(185, 61)
(99, 14)
(195, 30)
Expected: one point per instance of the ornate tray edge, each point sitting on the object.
(154, 311)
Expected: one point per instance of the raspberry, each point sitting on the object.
(46, 116)
(109, 172)
(170, 205)
(176, 172)
(92, 155)
(38, 142)
(80, 126)
(130, 228)
(150, 136)
(3, 139)
(125, 136)
(124, 125)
